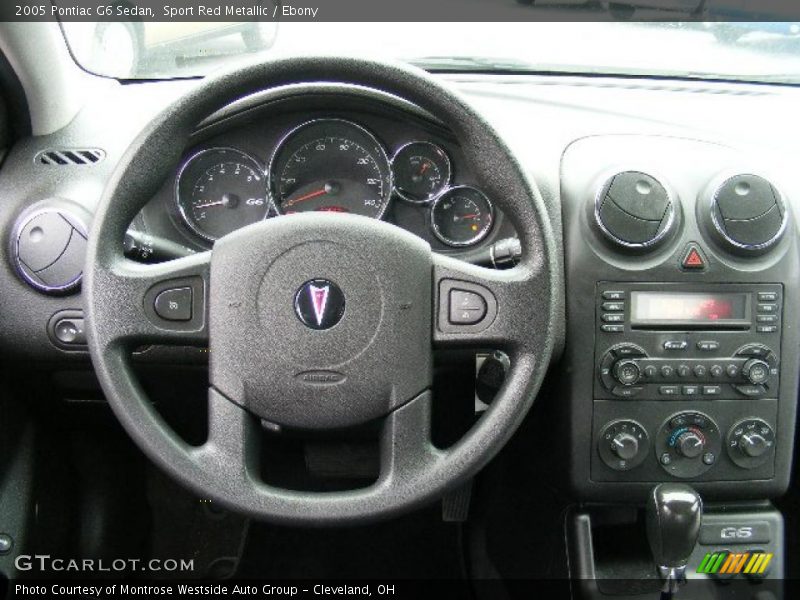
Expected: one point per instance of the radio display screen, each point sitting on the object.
(690, 309)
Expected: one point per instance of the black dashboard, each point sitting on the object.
(667, 337)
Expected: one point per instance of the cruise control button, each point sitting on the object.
(466, 308)
(174, 304)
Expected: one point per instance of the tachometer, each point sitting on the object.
(331, 165)
(220, 190)
(462, 216)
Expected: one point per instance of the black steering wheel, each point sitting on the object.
(321, 321)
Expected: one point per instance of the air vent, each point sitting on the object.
(70, 157)
(748, 213)
(634, 210)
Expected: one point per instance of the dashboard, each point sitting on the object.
(681, 309)
(344, 155)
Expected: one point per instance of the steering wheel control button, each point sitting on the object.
(319, 304)
(174, 304)
(466, 308)
(49, 247)
(751, 443)
(623, 445)
(688, 444)
(693, 259)
(6, 543)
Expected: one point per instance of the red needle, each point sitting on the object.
(424, 168)
(472, 216)
(307, 197)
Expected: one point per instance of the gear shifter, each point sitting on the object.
(673, 523)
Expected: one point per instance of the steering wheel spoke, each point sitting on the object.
(478, 307)
(406, 446)
(156, 304)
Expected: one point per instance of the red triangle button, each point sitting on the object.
(693, 258)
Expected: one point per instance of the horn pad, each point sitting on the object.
(320, 320)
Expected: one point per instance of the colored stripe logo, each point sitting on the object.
(730, 563)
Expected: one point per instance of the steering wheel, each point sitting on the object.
(320, 321)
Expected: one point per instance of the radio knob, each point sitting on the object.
(753, 444)
(755, 371)
(690, 445)
(627, 372)
(625, 446)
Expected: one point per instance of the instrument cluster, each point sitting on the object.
(333, 165)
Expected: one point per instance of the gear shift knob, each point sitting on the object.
(673, 515)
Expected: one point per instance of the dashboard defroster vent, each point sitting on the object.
(70, 157)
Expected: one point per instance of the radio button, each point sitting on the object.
(614, 306)
(707, 345)
(613, 318)
(675, 345)
(767, 328)
(755, 350)
(732, 370)
(628, 350)
(690, 390)
(683, 370)
(626, 391)
(751, 391)
(767, 296)
(650, 371)
(767, 318)
(613, 328)
(767, 308)
(755, 371)
(712, 390)
(669, 390)
(627, 372)
(666, 371)
(613, 295)
(700, 370)
(715, 371)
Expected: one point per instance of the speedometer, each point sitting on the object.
(331, 165)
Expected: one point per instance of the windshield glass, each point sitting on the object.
(761, 51)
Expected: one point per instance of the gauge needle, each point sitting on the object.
(208, 204)
(307, 197)
(424, 168)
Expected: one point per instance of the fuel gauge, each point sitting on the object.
(421, 171)
(462, 216)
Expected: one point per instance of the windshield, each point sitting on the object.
(766, 52)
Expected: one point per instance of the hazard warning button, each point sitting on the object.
(693, 258)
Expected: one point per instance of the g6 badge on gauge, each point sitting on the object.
(331, 165)
(220, 190)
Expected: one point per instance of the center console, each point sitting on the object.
(681, 357)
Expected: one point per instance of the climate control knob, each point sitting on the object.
(756, 371)
(689, 444)
(627, 372)
(625, 446)
(753, 444)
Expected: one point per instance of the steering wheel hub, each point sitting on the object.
(369, 357)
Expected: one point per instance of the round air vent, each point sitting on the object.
(48, 245)
(634, 210)
(748, 213)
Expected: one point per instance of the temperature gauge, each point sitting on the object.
(461, 216)
(421, 171)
